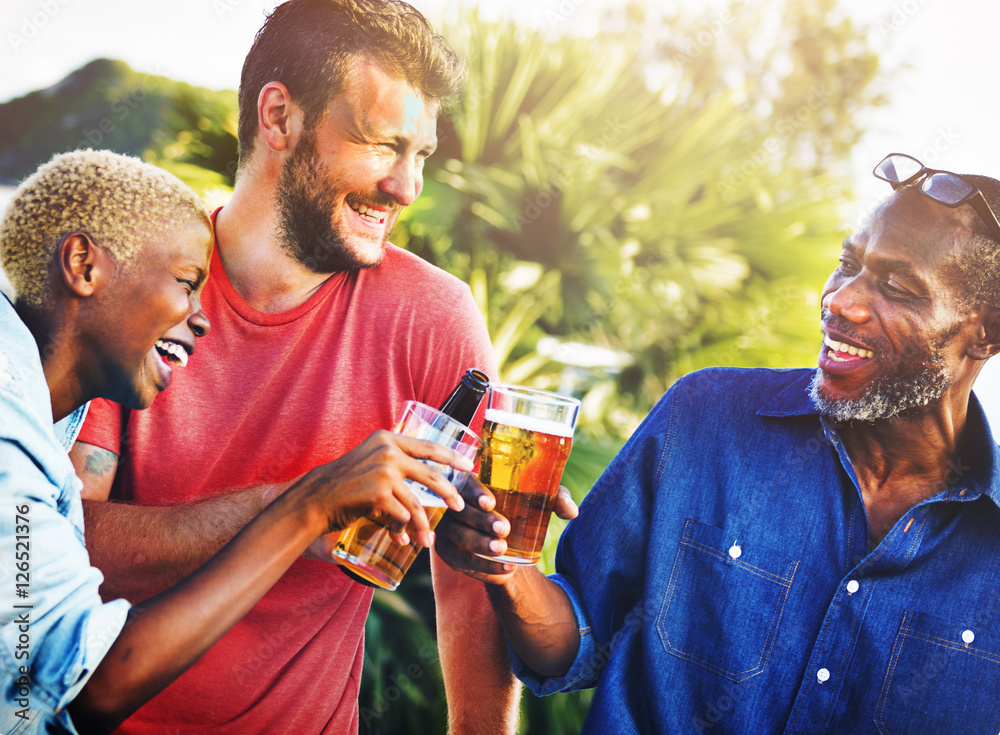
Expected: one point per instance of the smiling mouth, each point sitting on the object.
(844, 352)
(172, 353)
(375, 216)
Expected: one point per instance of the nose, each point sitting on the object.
(404, 181)
(849, 299)
(197, 320)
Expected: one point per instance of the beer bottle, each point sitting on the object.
(464, 401)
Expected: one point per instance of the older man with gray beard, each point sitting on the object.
(792, 551)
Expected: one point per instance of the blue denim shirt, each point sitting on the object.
(722, 578)
(52, 620)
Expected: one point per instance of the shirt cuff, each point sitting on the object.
(586, 667)
(103, 626)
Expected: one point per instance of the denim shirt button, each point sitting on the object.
(852, 586)
(735, 551)
(822, 675)
(968, 636)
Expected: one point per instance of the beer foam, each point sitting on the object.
(529, 423)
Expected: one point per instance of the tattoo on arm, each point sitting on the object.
(100, 462)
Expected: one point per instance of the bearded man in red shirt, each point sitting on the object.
(321, 330)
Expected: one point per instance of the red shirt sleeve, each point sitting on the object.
(104, 425)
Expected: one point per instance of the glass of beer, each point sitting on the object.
(527, 437)
(365, 547)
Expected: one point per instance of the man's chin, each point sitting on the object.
(340, 259)
(878, 402)
(367, 254)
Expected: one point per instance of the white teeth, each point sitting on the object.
(371, 215)
(174, 349)
(846, 349)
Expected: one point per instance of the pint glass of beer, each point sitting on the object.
(365, 547)
(527, 437)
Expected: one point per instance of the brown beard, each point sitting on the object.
(306, 200)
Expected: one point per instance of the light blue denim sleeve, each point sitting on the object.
(584, 670)
(54, 628)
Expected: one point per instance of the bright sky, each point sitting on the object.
(943, 110)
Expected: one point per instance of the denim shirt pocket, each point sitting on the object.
(940, 679)
(724, 601)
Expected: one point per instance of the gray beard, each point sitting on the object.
(886, 399)
(898, 393)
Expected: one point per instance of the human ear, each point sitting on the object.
(275, 112)
(987, 341)
(83, 266)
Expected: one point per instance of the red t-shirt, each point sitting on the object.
(265, 398)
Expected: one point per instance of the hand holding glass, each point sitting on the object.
(366, 547)
(527, 437)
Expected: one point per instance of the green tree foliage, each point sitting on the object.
(105, 104)
(632, 192)
(785, 54)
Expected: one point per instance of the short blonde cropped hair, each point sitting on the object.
(118, 201)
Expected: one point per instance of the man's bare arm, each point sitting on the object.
(482, 692)
(143, 550)
(481, 689)
(534, 612)
(538, 618)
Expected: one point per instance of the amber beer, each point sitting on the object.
(527, 437)
(371, 553)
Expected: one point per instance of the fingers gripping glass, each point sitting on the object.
(944, 187)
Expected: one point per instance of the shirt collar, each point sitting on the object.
(987, 449)
(795, 400)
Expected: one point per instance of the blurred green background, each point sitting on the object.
(626, 208)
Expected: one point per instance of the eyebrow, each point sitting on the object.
(199, 270)
(372, 133)
(901, 267)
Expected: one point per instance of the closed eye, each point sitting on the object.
(896, 291)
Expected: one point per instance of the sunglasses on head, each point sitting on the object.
(944, 187)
